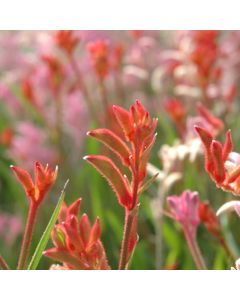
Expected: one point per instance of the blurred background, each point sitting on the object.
(52, 92)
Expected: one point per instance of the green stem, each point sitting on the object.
(27, 236)
(125, 241)
(194, 249)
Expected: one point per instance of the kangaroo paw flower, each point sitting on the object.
(77, 243)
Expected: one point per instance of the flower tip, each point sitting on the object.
(228, 207)
(86, 157)
(137, 101)
(89, 133)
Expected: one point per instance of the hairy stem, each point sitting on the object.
(194, 249)
(125, 240)
(129, 214)
(3, 264)
(27, 236)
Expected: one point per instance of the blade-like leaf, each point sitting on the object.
(46, 235)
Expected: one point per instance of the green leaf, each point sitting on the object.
(46, 235)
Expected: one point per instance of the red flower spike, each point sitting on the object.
(99, 54)
(66, 40)
(113, 142)
(138, 131)
(114, 177)
(221, 163)
(77, 243)
(44, 179)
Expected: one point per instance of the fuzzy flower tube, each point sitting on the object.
(77, 243)
(36, 192)
(133, 148)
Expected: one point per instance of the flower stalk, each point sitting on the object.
(31, 220)
(132, 143)
(194, 249)
(123, 261)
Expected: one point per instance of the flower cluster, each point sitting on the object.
(221, 163)
(138, 130)
(77, 243)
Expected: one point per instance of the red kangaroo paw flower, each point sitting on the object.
(99, 53)
(114, 177)
(138, 131)
(44, 179)
(221, 163)
(77, 243)
(66, 40)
